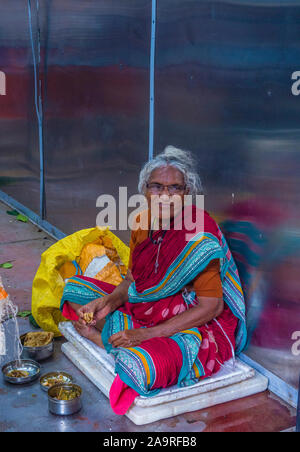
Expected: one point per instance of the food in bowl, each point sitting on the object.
(38, 339)
(67, 394)
(17, 373)
(50, 380)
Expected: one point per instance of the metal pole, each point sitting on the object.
(38, 108)
(152, 81)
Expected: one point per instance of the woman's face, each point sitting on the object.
(166, 202)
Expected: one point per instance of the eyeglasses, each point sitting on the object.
(156, 188)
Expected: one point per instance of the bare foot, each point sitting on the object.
(90, 332)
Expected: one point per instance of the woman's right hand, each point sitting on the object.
(103, 306)
(100, 307)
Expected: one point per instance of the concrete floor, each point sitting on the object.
(23, 244)
(24, 408)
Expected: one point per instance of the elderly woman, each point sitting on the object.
(179, 314)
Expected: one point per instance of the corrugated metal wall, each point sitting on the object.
(222, 89)
(19, 155)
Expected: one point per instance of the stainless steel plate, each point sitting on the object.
(32, 367)
(67, 378)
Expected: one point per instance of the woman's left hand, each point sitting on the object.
(130, 338)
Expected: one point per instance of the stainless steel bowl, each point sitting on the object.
(66, 377)
(32, 367)
(37, 353)
(63, 407)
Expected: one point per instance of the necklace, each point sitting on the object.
(157, 242)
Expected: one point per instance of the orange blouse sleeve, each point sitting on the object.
(138, 236)
(208, 283)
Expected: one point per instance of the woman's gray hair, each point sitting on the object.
(182, 160)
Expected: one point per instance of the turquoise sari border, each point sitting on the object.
(197, 262)
(80, 291)
(105, 334)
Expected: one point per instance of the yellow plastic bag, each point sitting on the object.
(48, 284)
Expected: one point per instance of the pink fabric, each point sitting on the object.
(155, 312)
(167, 360)
(215, 348)
(68, 312)
(121, 396)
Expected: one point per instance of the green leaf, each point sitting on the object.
(12, 212)
(21, 217)
(24, 314)
(6, 265)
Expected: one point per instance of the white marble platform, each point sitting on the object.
(228, 384)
